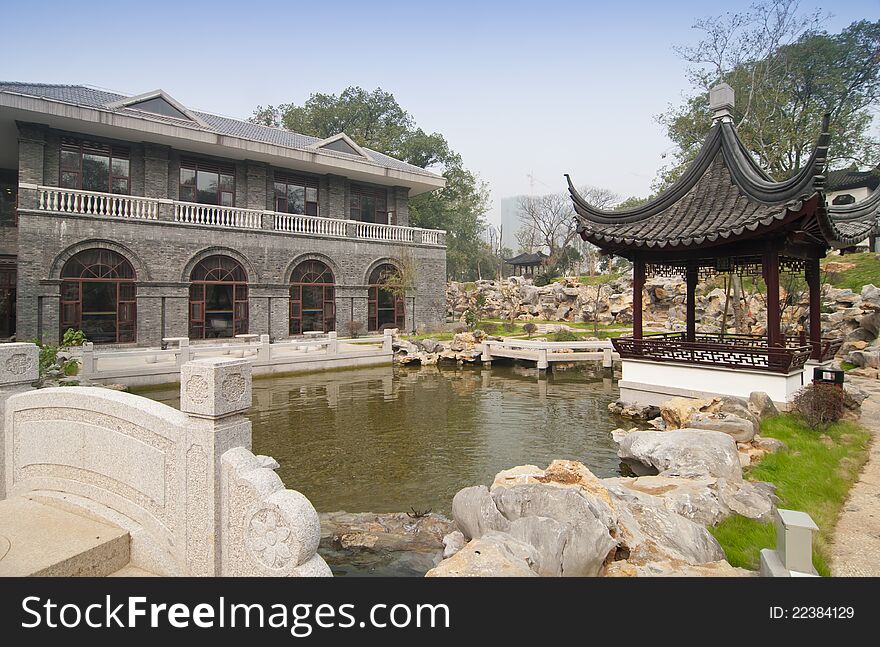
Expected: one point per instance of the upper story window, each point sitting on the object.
(368, 204)
(93, 166)
(296, 194)
(207, 182)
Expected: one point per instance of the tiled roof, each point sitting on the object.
(527, 259)
(850, 178)
(91, 98)
(723, 196)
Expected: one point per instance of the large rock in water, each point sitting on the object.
(692, 453)
(475, 513)
(495, 554)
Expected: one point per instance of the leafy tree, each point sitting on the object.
(375, 120)
(786, 73)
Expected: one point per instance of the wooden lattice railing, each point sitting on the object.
(727, 351)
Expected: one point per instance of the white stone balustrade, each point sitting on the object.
(92, 203)
(184, 484)
(310, 225)
(217, 216)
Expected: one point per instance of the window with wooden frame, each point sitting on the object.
(385, 309)
(218, 298)
(312, 298)
(94, 166)
(207, 182)
(368, 204)
(99, 296)
(296, 194)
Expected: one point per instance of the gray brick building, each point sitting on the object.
(134, 219)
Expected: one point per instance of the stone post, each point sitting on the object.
(794, 546)
(264, 353)
(88, 359)
(183, 354)
(542, 359)
(332, 344)
(486, 352)
(214, 393)
(606, 358)
(387, 339)
(19, 369)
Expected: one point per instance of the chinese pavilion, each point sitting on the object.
(726, 215)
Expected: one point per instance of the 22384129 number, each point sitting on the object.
(811, 613)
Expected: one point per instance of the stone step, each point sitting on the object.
(37, 539)
(132, 571)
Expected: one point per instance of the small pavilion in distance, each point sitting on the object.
(726, 215)
(527, 264)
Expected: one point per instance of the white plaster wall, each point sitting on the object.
(666, 379)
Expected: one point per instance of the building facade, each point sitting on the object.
(135, 219)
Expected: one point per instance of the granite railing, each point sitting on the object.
(183, 483)
(109, 205)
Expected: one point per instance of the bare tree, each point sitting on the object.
(548, 221)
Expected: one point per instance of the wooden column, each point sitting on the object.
(771, 278)
(638, 289)
(691, 275)
(812, 276)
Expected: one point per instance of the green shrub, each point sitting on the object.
(70, 366)
(543, 279)
(73, 338)
(488, 327)
(529, 328)
(470, 319)
(565, 335)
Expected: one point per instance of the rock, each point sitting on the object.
(452, 543)
(768, 444)
(746, 500)
(871, 295)
(651, 532)
(739, 407)
(494, 554)
(853, 397)
(694, 499)
(872, 373)
(528, 295)
(430, 345)
(864, 358)
(393, 531)
(618, 434)
(565, 504)
(741, 430)
(474, 512)
(761, 405)
(565, 549)
(633, 410)
(677, 411)
(871, 323)
(684, 452)
(860, 335)
(562, 312)
(675, 568)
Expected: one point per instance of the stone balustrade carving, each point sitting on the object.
(194, 499)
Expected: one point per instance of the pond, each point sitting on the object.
(391, 439)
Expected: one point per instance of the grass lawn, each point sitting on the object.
(866, 270)
(810, 475)
(585, 279)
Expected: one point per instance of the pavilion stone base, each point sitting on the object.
(647, 382)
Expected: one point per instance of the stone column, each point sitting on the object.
(19, 369)
(214, 393)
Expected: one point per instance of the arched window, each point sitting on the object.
(98, 296)
(385, 309)
(218, 298)
(312, 298)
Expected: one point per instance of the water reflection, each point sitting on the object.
(387, 439)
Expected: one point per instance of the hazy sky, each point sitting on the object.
(518, 88)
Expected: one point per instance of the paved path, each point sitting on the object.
(855, 551)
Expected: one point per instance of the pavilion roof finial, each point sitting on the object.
(721, 99)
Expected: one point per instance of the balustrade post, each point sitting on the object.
(351, 228)
(165, 211)
(418, 236)
(542, 359)
(606, 358)
(387, 339)
(267, 220)
(88, 357)
(264, 352)
(183, 353)
(333, 343)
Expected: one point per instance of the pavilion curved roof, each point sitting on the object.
(724, 196)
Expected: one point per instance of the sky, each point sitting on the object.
(525, 91)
